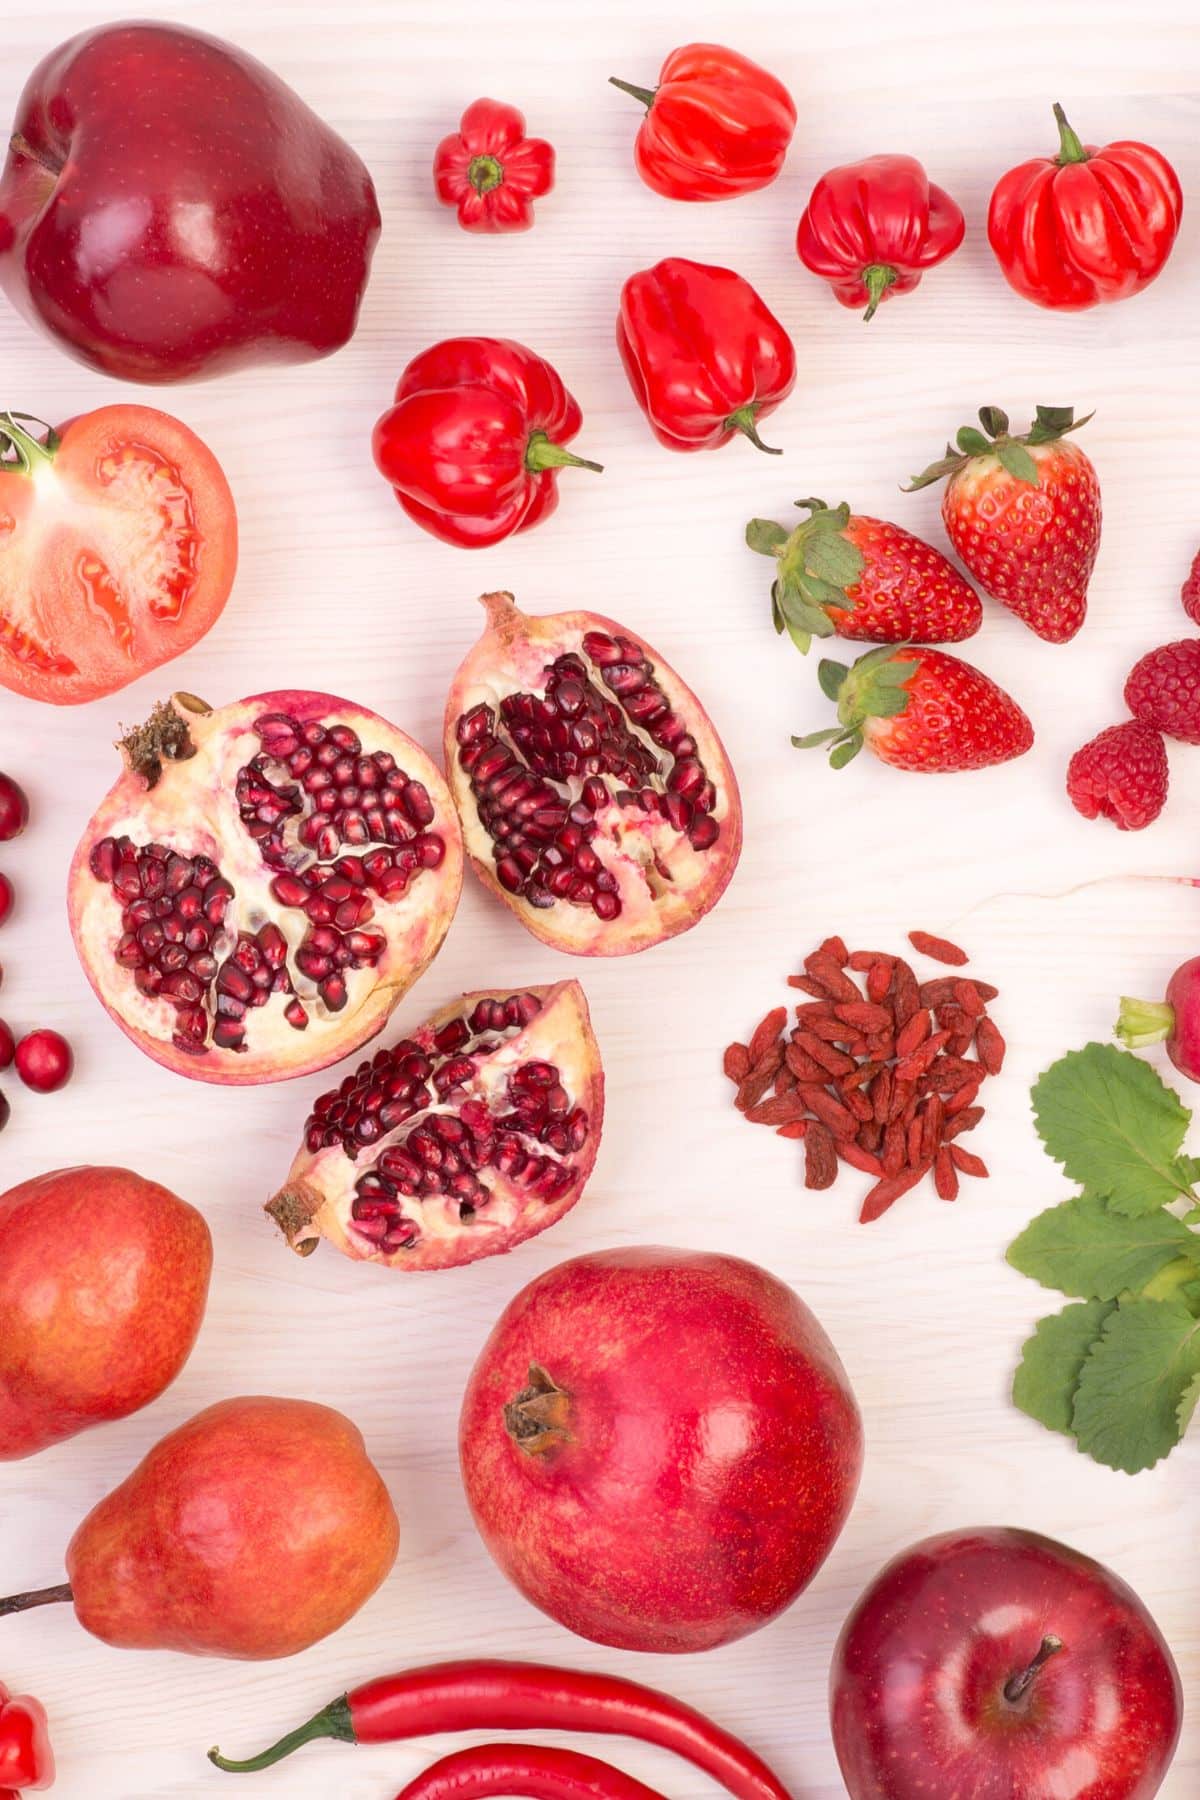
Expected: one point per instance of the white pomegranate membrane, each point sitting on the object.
(460, 1141)
(263, 883)
(596, 797)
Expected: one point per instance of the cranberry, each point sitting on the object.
(14, 809)
(6, 897)
(8, 1045)
(44, 1061)
(5, 1112)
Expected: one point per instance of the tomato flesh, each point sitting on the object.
(117, 552)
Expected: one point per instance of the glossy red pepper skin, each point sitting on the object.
(535, 1772)
(474, 442)
(491, 171)
(872, 228)
(26, 1759)
(488, 1694)
(717, 125)
(1086, 226)
(705, 356)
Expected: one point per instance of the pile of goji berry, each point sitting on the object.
(880, 1075)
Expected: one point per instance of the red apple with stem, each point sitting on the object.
(170, 208)
(996, 1664)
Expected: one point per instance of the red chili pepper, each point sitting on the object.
(491, 171)
(475, 440)
(533, 1773)
(872, 228)
(490, 1695)
(704, 355)
(26, 1759)
(716, 126)
(1087, 225)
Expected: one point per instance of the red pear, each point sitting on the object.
(253, 1530)
(103, 1282)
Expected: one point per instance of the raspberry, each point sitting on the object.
(1189, 593)
(1120, 775)
(1163, 689)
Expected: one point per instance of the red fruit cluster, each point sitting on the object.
(880, 1075)
(43, 1058)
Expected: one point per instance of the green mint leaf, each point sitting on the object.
(1115, 1127)
(1048, 1374)
(1085, 1250)
(1134, 1383)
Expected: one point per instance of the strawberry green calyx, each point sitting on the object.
(1049, 425)
(1142, 1022)
(876, 687)
(816, 565)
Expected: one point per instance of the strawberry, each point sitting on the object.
(1163, 690)
(1189, 593)
(862, 578)
(1023, 513)
(1120, 775)
(919, 710)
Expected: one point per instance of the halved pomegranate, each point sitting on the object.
(263, 883)
(461, 1141)
(596, 798)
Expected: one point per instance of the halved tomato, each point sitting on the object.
(118, 545)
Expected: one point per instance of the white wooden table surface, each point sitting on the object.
(337, 589)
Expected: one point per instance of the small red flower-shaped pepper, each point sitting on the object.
(717, 125)
(705, 356)
(26, 1760)
(1087, 225)
(872, 228)
(475, 440)
(491, 171)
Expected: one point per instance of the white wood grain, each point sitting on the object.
(336, 589)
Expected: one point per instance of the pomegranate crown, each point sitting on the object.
(1050, 423)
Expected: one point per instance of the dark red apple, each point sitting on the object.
(1000, 1665)
(659, 1447)
(170, 208)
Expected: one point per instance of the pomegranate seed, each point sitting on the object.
(44, 1061)
(14, 809)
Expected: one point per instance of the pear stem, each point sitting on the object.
(50, 1596)
(1018, 1685)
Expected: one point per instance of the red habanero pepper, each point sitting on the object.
(26, 1759)
(474, 442)
(717, 125)
(872, 228)
(705, 356)
(481, 1694)
(533, 1773)
(491, 171)
(1087, 225)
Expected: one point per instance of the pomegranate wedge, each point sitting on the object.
(263, 883)
(461, 1141)
(596, 798)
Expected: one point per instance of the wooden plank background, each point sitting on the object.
(337, 589)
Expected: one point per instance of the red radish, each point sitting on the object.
(660, 1447)
(1176, 1019)
(14, 809)
(8, 1046)
(44, 1061)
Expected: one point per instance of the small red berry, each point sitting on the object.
(1163, 690)
(8, 1046)
(5, 1111)
(1189, 593)
(1120, 775)
(6, 897)
(14, 809)
(44, 1061)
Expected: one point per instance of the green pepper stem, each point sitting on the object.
(743, 420)
(645, 95)
(541, 452)
(484, 173)
(333, 1721)
(1071, 148)
(877, 278)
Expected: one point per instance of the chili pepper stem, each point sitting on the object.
(1071, 148)
(743, 420)
(484, 173)
(877, 279)
(645, 95)
(333, 1721)
(1018, 1685)
(542, 453)
(50, 1596)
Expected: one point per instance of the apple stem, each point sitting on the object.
(20, 146)
(1018, 1685)
(51, 1596)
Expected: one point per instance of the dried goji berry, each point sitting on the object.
(781, 1109)
(858, 1159)
(831, 1060)
(933, 1117)
(820, 1157)
(879, 979)
(913, 1034)
(881, 1095)
(802, 1065)
(859, 1105)
(864, 960)
(870, 1135)
(885, 1193)
(990, 1045)
(969, 998)
(766, 1032)
(895, 1148)
(860, 1077)
(758, 1081)
(835, 948)
(913, 1142)
(911, 1066)
(807, 985)
(830, 1031)
(958, 1122)
(945, 1176)
(785, 1081)
(832, 977)
(938, 949)
(906, 995)
(967, 1161)
(796, 1128)
(814, 1009)
(737, 1062)
(840, 1120)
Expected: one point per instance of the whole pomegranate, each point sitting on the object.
(103, 1283)
(263, 883)
(659, 1447)
(596, 798)
(463, 1140)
